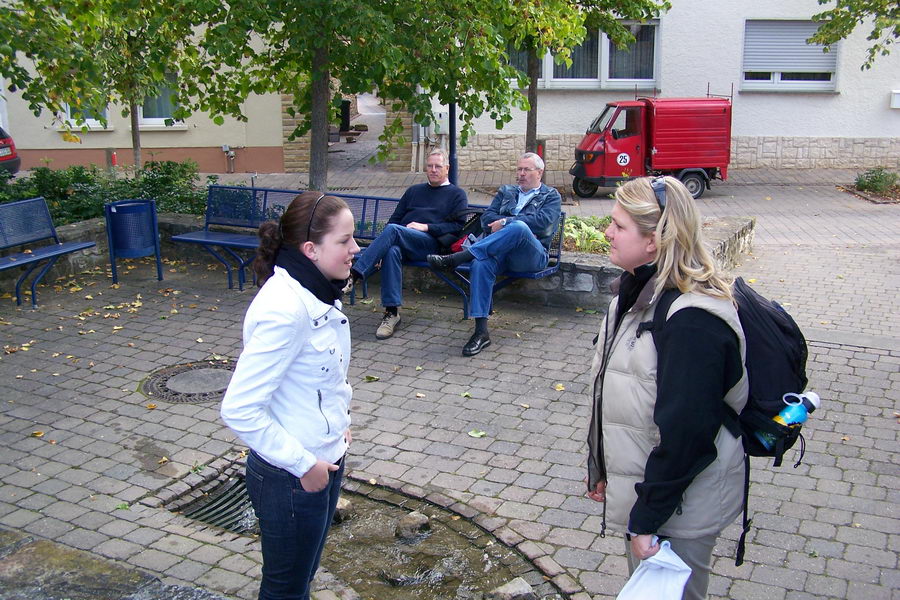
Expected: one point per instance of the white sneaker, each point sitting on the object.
(389, 323)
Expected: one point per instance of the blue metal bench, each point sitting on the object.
(233, 217)
(26, 222)
(503, 279)
(241, 210)
(380, 210)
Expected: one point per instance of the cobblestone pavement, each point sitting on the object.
(95, 479)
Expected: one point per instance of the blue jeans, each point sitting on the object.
(394, 245)
(512, 248)
(293, 524)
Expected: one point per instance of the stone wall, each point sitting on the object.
(749, 152)
(498, 152)
(296, 153)
(401, 161)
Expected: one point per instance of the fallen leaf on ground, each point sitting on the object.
(151, 406)
(524, 405)
(420, 395)
(559, 387)
(37, 434)
(163, 460)
(477, 433)
(371, 378)
(466, 395)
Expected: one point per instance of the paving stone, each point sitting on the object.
(834, 519)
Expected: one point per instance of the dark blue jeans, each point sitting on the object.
(512, 248)
(391, 247)
(293, 524)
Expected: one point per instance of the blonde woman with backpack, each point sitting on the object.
(660, 458)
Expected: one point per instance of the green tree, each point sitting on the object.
(319, 50)
(89, 53)
(558, 26)
(840, 21)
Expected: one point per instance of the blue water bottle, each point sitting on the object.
(797, 411)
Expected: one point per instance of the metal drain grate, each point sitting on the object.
(229, 508)
(195, 382)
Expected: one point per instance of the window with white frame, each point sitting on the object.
(84, 115)
(598, 63)
(777, 58)
(159, 107)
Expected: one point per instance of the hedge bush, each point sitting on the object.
(878, 180)
(77, 193)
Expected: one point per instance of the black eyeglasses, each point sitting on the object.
(658, 185)
(311, 216)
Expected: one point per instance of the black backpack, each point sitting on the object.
(776, 365)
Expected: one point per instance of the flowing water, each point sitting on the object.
(454, 560)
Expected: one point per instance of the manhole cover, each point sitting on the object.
(191, 382)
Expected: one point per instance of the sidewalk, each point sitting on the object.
(828, 529)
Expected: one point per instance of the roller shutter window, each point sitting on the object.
(777, 57)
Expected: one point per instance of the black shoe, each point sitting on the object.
(476, 343)
(440, 263)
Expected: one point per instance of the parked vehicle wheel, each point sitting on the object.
(694, 183)
(584, 189)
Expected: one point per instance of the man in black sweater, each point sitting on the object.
(426, 212)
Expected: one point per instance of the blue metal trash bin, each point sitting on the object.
(133, 232)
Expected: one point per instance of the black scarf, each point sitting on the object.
(308, 275)
(631, 286)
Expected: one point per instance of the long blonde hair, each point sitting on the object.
(682, 260)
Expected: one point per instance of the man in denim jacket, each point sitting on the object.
(519, 224)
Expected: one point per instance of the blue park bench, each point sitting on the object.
(233, 217)
(234, 214)
(27, 222)
(381, 210)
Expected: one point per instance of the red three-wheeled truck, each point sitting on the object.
(687, 138)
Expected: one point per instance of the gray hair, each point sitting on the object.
(442, 153)
(536, 160)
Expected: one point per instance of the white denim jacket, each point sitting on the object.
(289, 398)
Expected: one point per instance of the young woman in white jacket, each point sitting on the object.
(289, 398)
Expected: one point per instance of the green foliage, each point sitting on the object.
(840, 21)
(174, 186)
(77, 193)
(878, 180)
(90, 53)
(585, 234)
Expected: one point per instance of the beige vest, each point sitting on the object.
(714, 498)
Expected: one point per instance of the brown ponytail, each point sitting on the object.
(294, 228)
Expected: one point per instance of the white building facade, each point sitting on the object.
(794, 106)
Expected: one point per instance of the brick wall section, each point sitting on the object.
(750, 152)
(499, 152)
(402, 159)
(296, 153)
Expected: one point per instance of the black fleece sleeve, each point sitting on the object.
(454, 217)
(400, 210)
(699, 361)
